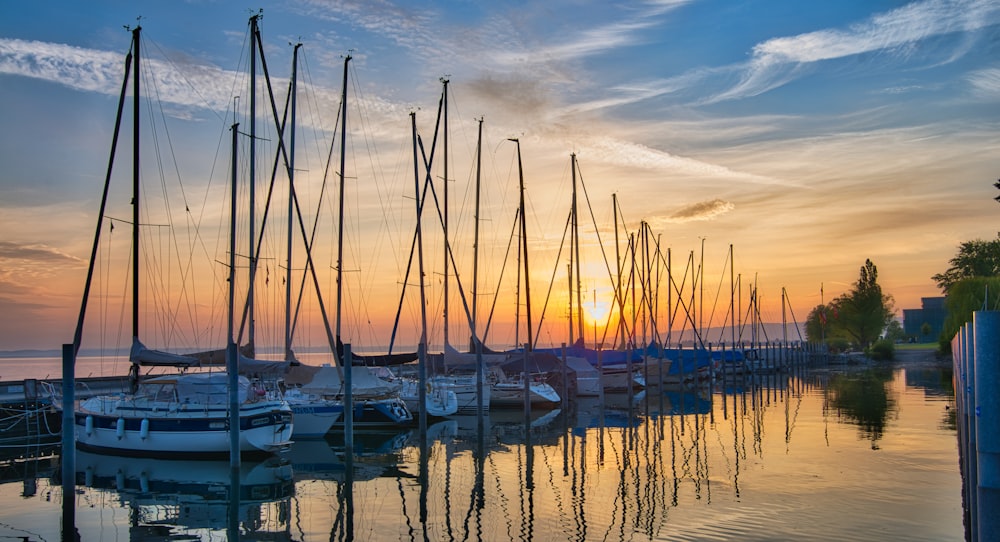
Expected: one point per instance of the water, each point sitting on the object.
(813, 455)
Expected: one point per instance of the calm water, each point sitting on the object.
(813, 455)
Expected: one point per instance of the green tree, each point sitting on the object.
(965, 297)
(863, 312)
(894, 331)
(976, 258)
(818, 324)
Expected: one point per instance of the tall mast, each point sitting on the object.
(422, 346)
(444, 103)
(732, 298)
(575, 256)
(618, 264)
(527, 280)
(135, 186)
(232, 362)
(291, 191)
(475, 277)
(340, 212)
(254, 34)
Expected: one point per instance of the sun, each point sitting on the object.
(596, 313)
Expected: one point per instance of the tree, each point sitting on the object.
(966, 297)
(894, 331)
(863, 312)
(817, 324)
(976, 258)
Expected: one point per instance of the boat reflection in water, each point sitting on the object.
(168, 497)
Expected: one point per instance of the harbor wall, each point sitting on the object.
(976, 358)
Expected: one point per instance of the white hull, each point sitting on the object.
(619, 379)
(589, 386)
(511, 395)
(312, 416)
(656, 370)
(144, 430)
(439, 401)
(182, 416)
(464, 388)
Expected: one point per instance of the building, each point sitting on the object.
(932, 313)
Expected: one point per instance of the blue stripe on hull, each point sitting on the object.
(166, 425)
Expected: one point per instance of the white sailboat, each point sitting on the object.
(181, 415)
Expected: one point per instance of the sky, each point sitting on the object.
(807, 136)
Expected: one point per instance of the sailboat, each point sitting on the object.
(374, 402)
(177, 415)
(313, 415)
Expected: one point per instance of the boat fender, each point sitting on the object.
(144, 481)
(120, 428)
(144, 429)
(88, 477)
(88, 425)
(119, 480)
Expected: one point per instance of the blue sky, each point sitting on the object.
(810, 136)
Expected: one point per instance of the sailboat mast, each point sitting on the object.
(732, 297)
(291, 192)
(475, 277)
(576, 256)
(340, 212)
(230, 321)
(135, 185)
(475, 243)
(618, 265)
(254, 32)
(444, 103)
(232, 361)
(527, 280)
(422, 347)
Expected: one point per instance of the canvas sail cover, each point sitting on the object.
(325, 380)
(140, 355)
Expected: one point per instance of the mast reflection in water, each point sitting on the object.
(812, 455)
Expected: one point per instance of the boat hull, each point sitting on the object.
(511, 395)
(379, 413)
(314, 421)
(464, 388)
(147, 429)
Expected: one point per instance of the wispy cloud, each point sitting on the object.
(102, 71)
(182, 86)
(625, 153)
(704, 210)
(777, 61)
(85, 69)
(34, 253)
(986, 83)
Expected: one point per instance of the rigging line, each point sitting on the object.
(413, 243)
(319, 206)
(157, 290)
(794, 321)
(382, 193)
(177, 71)
(186, 271)
(503, 267)
(78, 333)
(552, 280)
(448, 251)
(681, 304)
(428, 184)
(715, 304)
(267, 207)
